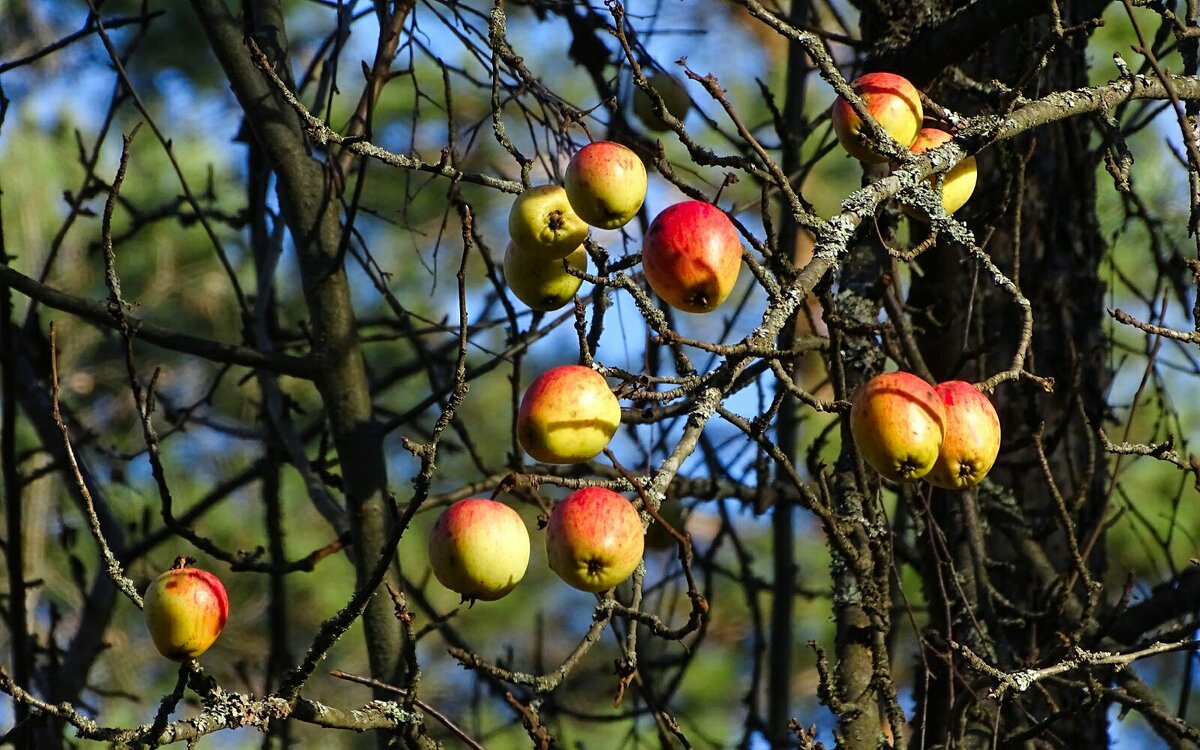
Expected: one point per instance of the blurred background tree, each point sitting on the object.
(264, 240)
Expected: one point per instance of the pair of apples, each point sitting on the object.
(906, 429)
(604, 186)
(479, 548)
(691, 253)
(895, 104)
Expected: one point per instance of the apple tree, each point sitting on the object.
(268, 302)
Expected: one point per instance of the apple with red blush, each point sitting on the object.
(605, 184)
(691, 256)
(594, 539)
(567, 415)
(972, 440)
(891, 101)
(479, 548)
(185, 609)
(898, 423)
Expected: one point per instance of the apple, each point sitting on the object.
(567, 415)
(542, 284)
(691, 255)
(479, 548)
(958, 182)
(898, 423)
(185, 610)
(892, 101)
(674, 97)
(594, 539)
(972, 439)
(542, 223)
(606, 184)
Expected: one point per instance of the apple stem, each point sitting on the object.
(182, 562)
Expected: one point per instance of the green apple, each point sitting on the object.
(542, 222)
(972, 439)
(892, 101)
(567, 415)
(543, 284)
(594, 539)
(606, 184)
(673, 94)
(898, 423)
(185, 609)
(479, 548)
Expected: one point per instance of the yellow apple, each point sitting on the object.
(542, 284)
(542, 222)
(958, 182)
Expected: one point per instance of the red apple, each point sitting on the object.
(892, 101)
(606, 184)
(691, 255)
(898, 425)
(185, 610)
(567, 415)
(479, 548)
(958, 182)
(594, 539)
(972, 439)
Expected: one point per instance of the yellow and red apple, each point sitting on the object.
(891, 101)
(567, 415)
(594, 539)
(185, 609)
(972, 439)
(692, 255)
(479, 548)
(606, 184)
(898, 424)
